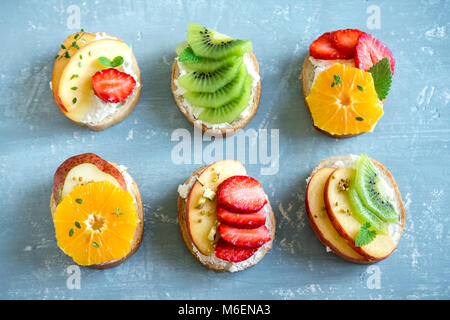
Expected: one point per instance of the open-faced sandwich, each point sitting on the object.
(96, 80)
(355, 208)
(215, 81)
(225, 217)
(97, 211)
(346, 78)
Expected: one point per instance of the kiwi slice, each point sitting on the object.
(222, 96)
(208, 43)
(207, 65)
(362, 214)
(371, 192)
(180, 47)
(210, 81)
(230, 111)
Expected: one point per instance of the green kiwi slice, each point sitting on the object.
(207, 65)
(210, 81)
(208, 43)
(180, 47)
(230, 111)
(370, 189)
(222, 96)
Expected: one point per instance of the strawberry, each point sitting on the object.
(246, 238)
(228, 252)
(345, 41)
(112, 85)
(323, 48)
(369, 51)
(241, 194)
(242, 220)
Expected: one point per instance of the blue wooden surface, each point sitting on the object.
(412, 140)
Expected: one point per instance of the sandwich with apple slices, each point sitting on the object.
(346, 77)
(96, 80)
(97, 211)
(215, 81)
(225, 217)
(355, 208)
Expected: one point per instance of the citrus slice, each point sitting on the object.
(343, 101)
(96, 223)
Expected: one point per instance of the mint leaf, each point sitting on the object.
(382, 77)
(188, 55)
(117, 61)
(365, 235)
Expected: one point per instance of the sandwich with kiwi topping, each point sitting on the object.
(215, 81)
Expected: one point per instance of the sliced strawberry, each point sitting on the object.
(323, 48)
(246, 238)
(228, 252)
(113, 85)
(345, 41)
(241, 194)
(242, 220)
(369, 51)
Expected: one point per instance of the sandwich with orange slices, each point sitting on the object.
(96, 80)
(346, 78)
(97, 211)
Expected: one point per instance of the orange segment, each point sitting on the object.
(96, 223)
(343, 101)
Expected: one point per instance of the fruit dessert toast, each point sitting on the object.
(96, 80)
(215, 81)
(97, 211)
(355, 208)
(346, 78)
(225, 217)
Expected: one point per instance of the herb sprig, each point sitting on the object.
(75, 44)
(365, 235)
(337, 80)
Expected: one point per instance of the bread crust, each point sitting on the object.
(306, 66)
(181, 205)
(138, 234)
(386, 173)
(123, 112)
(235, 125)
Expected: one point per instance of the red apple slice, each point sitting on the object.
(318, 217)
(339, 212)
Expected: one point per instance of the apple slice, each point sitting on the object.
(75, 86)
(345, 223)
(318, 217)
(82, 39)
(84, 168)
(201, 217)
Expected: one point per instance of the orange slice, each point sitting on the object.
(96, 223)
(343, 101)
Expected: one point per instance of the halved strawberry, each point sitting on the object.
(246, 238)
(345, 41)
(369, 51)
(242, 220)
(241, 194)
(323, 48)
(113, 85)
(229, 252)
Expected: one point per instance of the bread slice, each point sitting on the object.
(349, 161)
(112, 119)
(307, 76)
(138, 234)
(217, 264)
(237, 124)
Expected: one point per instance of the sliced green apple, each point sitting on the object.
(202, 219)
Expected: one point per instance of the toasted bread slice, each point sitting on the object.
(307, 76)
(138, 234)
(217, 264)
(348, 161)
(237, 124)
(122, 112)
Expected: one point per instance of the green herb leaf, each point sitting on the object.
(77, 224)
(78, 200)
(382, 77)
(95, 244)
(337, 80)
(104, 61)
(76, 36)
(73, 76)
(81, 57)
(365, 235)
(360, 88)
(359, 118)
(74, 100)
(66, 54)
(63, 47)
(188, 55)
(74, 88)
(71, 232)
(117, 61)
(118, 213)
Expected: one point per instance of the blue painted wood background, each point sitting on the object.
(412, 140)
